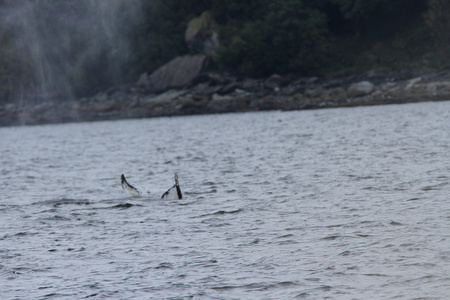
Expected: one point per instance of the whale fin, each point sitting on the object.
(174, 193)
(126, 186)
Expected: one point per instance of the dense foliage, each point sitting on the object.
(262, 37)
(437, 17)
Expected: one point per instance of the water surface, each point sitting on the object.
(323, 204)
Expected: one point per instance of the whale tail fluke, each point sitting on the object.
(128, 187)
(174, 193)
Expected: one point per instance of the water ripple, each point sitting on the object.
(337, 204)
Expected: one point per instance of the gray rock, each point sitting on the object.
(249, 84)
(178, 72)
(228, 89)
(292, 89)
(105, 106)
(360, 89)
(412, 82)
(218, 103)
(143, 80)
(333, 94)
(162, 99)
(438, 87)
(205, 89)
(314, 92)
(274, 82)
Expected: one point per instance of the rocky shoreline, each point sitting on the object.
(209, 93)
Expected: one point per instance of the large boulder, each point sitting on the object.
(274, 82)
(178, 72)
(360, 89)
(201, 34)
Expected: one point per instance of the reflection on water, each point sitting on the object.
(339, 203)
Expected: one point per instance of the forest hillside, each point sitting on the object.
(251, 38)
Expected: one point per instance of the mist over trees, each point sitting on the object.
(257, 38)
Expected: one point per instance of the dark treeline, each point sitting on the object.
(258, 38)
(262, 37)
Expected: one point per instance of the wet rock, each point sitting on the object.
(314, 92)
(417, 89)
(216, 93)
(412, 82)
(191, 104)
(268, 102)
(439, 87)
(388, 87)
(333, 94)
(360, 89)
(218, 103)
(163, 100)
(105, 106)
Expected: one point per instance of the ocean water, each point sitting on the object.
(349, 203)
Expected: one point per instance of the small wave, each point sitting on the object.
(332, 237)
(394, 223)
(262, 286)
(414, 199)
(164, 265)
(63, 201)
(375, 275)
(124, 205)
(8, 273)
(25, 234)
(55, 218)
(434, 187)
(221, 212)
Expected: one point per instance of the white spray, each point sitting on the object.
(69, 46)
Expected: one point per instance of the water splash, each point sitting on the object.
(71, 47)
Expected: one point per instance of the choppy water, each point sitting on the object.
(329, 204)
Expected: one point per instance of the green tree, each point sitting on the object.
(289, 37)
(159, 37)
(243, 10)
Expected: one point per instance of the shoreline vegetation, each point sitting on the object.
(74, 61)
(211, 93)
